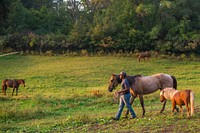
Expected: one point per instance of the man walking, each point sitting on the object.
(125, 95)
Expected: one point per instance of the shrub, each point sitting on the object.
(183, 56)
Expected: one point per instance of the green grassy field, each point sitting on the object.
(69, 94)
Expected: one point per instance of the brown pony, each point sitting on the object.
(142, 85)
(179, 97)
(13, 84)
(144, 55)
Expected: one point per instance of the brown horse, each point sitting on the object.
(179, 97)
(141, 85)
(13, 84)
(144, 55)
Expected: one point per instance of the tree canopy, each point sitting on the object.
(100, 25)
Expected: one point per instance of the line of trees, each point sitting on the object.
(168, 26)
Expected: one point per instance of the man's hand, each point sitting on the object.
(117, 94)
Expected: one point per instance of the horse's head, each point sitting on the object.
(162, 97)
(22, 82)
(114, 81)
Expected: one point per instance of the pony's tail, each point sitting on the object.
(3, 88)
(192, 102)
(174, 82)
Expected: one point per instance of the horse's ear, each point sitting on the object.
(113, 74)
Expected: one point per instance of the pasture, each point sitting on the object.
(69, 94)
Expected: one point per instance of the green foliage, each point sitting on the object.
(164, 25)
(154, 33)
(17, 17)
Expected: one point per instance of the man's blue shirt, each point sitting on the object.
(125, 85)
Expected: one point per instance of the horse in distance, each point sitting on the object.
(144, 55)
(179, 97)
(12, 84)
(142, 85)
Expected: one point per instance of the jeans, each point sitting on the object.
(125, 100)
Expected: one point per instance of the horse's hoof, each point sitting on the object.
(125, 117)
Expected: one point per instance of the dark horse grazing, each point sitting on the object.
(179, 97)
(141, 85)
(144, 55)
(13, 84)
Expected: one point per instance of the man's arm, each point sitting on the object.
(124, 90)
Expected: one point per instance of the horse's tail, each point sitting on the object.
(174, 82)
(192, 102)
(3, 87)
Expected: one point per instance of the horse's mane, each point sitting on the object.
(133, 78)
(138, 75)
(118, 78)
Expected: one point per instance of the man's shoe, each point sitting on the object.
(114, 118)
(133, 117)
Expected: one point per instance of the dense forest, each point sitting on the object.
(38, 26)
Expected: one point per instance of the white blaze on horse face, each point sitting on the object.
(161, 93)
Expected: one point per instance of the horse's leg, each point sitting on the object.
(131, 102)
(163, 108)
(142, 104)
(5, 88)
(2, 89)
(16, 91)
(13, 91)
(177, 109)
(173, 106)
(181, 111)
(188, 109)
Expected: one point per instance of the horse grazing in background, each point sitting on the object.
(142, 85)
(179, 97)
(13, 84)
(144, 55)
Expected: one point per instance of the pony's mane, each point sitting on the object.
(168, 91)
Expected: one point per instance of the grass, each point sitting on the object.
(69, 94)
